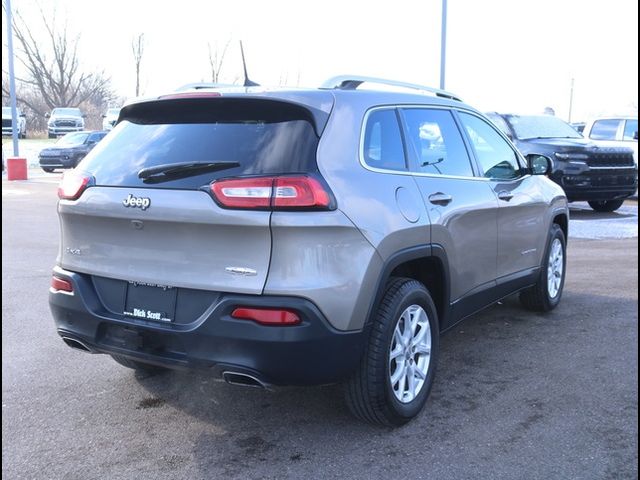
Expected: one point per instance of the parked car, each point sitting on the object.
(110, 118)
(601, 175)
(614, 131)
(64, 120)
(7, 122)
(302, 237)
(69, 150)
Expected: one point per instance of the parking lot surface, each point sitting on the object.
(517, 395)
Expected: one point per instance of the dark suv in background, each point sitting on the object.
(69, 150)
(602, 175)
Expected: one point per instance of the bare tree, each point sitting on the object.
(137, 46)
(52, 73)
(216, 60)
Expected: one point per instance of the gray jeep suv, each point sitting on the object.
(302, 237)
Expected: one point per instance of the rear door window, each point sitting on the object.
(435, 142)
(261, 139)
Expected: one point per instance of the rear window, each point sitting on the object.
(263, 139)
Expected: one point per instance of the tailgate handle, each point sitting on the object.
(504, 195)
(440, 198)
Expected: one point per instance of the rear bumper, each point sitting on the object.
(308, 354)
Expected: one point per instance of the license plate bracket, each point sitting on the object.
(148, 301)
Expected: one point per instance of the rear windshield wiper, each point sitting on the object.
(173, 171)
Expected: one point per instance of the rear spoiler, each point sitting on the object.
(210, 106)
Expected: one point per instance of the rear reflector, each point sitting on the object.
(72, 185)
(60, 284)
(265, 316)
(277, 193)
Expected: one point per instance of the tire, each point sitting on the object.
(371, 393)
(48, 170)
(545, 295)
(606, 205)
(138, 366)
(51, 135)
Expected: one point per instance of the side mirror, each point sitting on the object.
(539, 164)
(47, 115)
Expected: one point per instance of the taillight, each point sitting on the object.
(243, 193)
(72, 185)
(277, 193)
(267, 316)
(58, 283)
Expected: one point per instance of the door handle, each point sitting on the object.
(504, 195)
(440, 199)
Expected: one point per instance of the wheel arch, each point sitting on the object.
(427, 264)
(562, 220)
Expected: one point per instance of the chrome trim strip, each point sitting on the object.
(627, 167)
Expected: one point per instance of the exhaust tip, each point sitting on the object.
(76, 344)
(242, 379)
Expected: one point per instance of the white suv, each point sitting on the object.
(614, 131)
(7, 122)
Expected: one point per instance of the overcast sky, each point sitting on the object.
(506, 55)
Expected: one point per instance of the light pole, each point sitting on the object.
(12, 79)
(443, 42)
(571, 100)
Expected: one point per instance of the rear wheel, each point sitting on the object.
(546, 293)
(398, 366)
(137, 366)
(606, 205)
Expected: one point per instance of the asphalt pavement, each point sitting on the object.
(517, 395)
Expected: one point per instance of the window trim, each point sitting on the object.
(407, 172)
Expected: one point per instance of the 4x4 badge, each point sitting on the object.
(137, 202)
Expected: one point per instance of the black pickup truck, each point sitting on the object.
(601, 175)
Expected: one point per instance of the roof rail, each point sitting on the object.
(351, 82)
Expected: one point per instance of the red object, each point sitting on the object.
(58, 283)
(299, 192)
(271, 193)
(72, 185)
(16, 168)
(267, 316)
